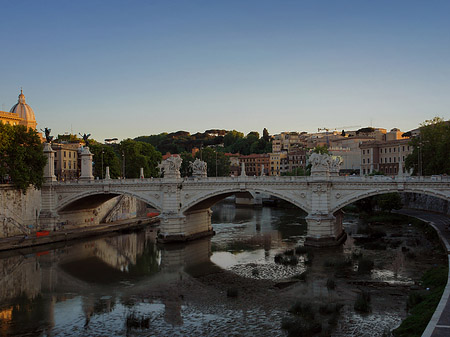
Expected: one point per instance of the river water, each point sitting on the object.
(128, 285)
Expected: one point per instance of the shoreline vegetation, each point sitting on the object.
(423, 297)
(422, 303)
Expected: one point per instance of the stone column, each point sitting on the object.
(47, 216)
(141, 173)
(49, 170)
(86, 164)
(243, 170)
(107, 176)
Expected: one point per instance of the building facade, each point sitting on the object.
(67, 160)
(387, 157)
(254, 163)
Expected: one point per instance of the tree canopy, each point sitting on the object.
(211, 156)
(106, 154)
(22, 159)
(137, 155)
(431, 148)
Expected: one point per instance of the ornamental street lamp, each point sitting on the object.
(102, 162)
(123, 165)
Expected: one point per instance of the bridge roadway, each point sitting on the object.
(185, 203)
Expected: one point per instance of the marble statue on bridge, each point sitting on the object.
(199, 168)
(171, 167)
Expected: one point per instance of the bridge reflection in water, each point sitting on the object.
(104, 272)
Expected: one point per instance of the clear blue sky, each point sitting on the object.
(129, 68)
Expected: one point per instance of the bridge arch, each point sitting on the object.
(378, 191)
(209, 198)
(66, 202)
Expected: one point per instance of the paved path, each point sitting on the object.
(439, 325)
(15, 242)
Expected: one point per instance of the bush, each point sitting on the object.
(331, 284)
(135, 322)
(423, 310)
(414, 298)
(301, 276)
(338, 263)
(301, 250)
(365, 265)
(362, 303)
(298, 327)
(309, 258)
(232, 292)
(304, 310)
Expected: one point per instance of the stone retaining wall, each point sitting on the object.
(18, 212)
(425, 202)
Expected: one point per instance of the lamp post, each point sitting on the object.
(123, 165)
(102, 162)
(216, 161)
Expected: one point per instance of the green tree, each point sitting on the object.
(21, 156)
(266, 135)
(137, 155)
(110, 158)
(211, 156)
(185, 169)
(321, 149)
(431, 148)
(299, 171)
(389, 201)
(232, 137)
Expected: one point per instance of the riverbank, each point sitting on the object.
(21, 241)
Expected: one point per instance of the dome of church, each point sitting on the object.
(23, 110)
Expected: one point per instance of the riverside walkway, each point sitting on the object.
(439, 325)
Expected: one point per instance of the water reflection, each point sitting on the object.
(123, 284)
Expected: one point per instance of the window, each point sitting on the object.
(394, 159)
(64, 164)
(70, 154)
(390, 159)
(368, 161)
(364, 161)
(403, 147)
(64, 154)
(394, 149)
(389, 150)
(364, 151)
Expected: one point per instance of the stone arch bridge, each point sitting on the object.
(185, 203)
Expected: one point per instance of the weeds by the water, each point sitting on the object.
(331, 284)
(362, 303)
(137, 322)
(309, 320)
(232, 292)
(423, 304)
(301, 250)
(304, 310)
(365, 265)
(301, 276)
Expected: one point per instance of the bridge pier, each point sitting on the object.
(185, 227)
(325, 230)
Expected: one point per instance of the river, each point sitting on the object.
(227, 285)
